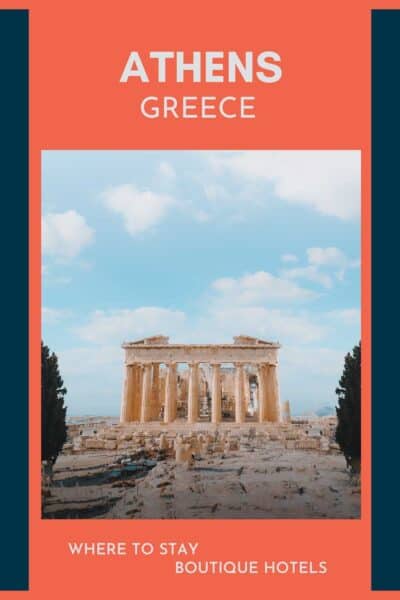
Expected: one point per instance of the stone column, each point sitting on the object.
(273, 408)
(286, 416)
(129, 396)
(193, 393)
(239, 397)
(163, 379)
(262, 393)
(134, 387)
(145, 409)
(216, 394)
(246, 393)
(138, 391)
(124, 400)
(155, 392)
(170, 394)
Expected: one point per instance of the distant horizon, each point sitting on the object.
(116, 416)
(200, 246)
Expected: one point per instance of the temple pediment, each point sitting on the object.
(154, 339)
(247, 340)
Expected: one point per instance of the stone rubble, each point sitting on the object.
(271, 470)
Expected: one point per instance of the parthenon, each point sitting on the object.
(236, 382)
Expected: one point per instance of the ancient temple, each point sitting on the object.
(200, 382)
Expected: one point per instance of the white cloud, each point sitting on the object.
(115, 326)
(166, 170)
(88, 361)
(246, 304)
(52, 281)
(215, 191)
(318, 361)
(52, 316)
(324, 266)
(140, 210)
(326, 180)
(346, 316)
(271, 324)
(287, 258)
(259, 287)
(64, 235)
(327, 256)
(311, 273)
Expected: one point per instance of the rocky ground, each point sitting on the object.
(246, 473)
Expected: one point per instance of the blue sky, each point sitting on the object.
(200, 246)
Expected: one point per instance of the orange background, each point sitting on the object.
(77, 53)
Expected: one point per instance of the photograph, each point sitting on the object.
(201, 353)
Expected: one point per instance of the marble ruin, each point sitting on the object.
(221, 382)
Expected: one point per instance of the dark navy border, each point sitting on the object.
(385, 299)
(14, 299)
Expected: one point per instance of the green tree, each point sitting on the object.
(54, 429)
(348, 431)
